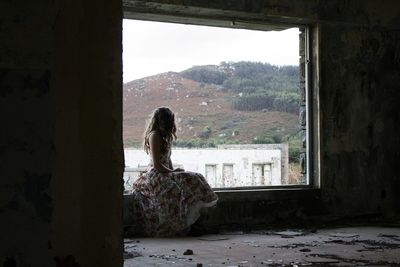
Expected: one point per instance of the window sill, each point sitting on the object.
(260, 194)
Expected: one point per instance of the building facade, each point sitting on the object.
(226, 166)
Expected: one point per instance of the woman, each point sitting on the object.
(167, 200)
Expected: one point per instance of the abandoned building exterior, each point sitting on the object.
(224, 166)
(61, 116)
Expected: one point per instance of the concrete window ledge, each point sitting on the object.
(248, 210)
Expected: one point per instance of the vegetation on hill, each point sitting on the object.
(260, 86)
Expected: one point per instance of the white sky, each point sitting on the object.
(150, 48)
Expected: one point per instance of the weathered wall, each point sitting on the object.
(360, 119)
(60, 106)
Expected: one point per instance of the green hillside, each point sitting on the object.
(261, 86)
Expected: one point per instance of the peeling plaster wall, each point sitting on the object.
(60, 106)
(360, 119)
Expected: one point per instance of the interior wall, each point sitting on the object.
(61, 157)
(61, 154)
(360, 119)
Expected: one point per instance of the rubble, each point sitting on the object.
(329, 247)
(188, 252)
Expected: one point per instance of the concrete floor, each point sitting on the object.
(355, 246)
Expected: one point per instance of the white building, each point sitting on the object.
(224, 167)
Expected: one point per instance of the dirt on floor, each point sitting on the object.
(353, 246)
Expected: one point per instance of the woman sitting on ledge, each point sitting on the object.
(167, 200)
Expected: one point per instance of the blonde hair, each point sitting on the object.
(162, 121)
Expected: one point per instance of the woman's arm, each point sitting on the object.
(155, 148)
(172, 167)
(170, 164)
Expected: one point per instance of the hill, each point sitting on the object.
(218, 104)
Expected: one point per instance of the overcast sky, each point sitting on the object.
(153, 47)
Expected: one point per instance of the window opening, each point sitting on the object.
(228, 176)
(243, 119)
(262, 174)
(211, 174)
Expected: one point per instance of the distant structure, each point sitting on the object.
(227, 166)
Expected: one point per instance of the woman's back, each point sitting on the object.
(164, 152)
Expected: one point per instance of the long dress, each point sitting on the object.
(168, 203)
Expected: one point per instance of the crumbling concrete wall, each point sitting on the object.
(360, 119)
(60, 106)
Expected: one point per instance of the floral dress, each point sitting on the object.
(168, 203)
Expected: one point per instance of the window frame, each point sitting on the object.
(312, 81)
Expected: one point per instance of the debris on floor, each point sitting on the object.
(132, 254)
(353, 246)
(289, 234)
(321, 260)
(393, 237)
(188, 252)
(345, 235)
(213, 238)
